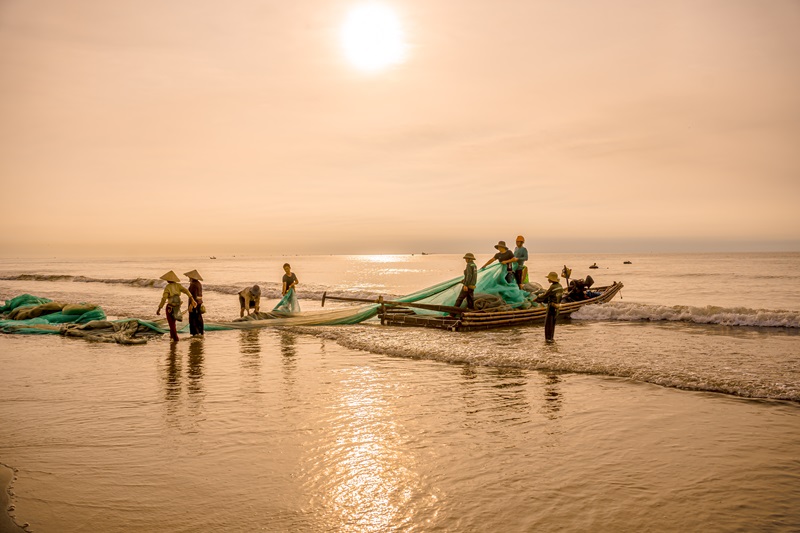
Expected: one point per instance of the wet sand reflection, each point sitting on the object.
(250, 364)
(288, 342)
(174, 382)
(195, 372)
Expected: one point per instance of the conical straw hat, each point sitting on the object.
(194, 274)
(171, 276)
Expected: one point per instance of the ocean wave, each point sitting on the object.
(725, 316)
(269, 290)
(483, 349)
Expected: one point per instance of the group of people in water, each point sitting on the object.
(249, 298)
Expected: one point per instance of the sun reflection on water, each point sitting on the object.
(365, 475)
(381, 258)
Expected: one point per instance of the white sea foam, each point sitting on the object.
(735, 316)
(699, 367)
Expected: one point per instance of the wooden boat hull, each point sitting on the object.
(478, 320)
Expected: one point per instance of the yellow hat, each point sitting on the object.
(552, 276)
(171, 276)
(469, 255)
(194, 274)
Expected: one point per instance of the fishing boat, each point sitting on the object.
(404, 314)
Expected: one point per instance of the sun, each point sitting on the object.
(372, 37)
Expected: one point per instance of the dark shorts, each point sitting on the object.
(241, 303)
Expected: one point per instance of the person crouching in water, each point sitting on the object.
(196, 325)
(249, 297)
(552, 297)
(172, 296)
(468, 283)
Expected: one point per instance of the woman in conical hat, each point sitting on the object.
(196, 325)
(172, 297)
(171, 277)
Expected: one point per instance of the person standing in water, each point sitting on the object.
(172, 296)
(552, 297)
(289, 279)
(196, 325)
(288, 303)
(468, 283)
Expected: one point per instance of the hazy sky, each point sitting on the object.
(211, 126)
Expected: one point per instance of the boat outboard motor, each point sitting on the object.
(578, 289)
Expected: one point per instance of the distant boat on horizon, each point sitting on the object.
(212, 257)
(627, 263)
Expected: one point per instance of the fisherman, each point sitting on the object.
(552, 297)
(196, 324)
(289, 280)
(249, 297)
(505, 257)
(288, 303)
(172, 296)
(520, 256)
(468, 283)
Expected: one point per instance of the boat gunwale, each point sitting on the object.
(475, 320)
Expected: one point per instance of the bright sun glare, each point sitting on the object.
(373, 38)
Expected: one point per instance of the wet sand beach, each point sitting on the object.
(272, 430)
(7, 525)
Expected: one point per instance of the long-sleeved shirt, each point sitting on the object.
(521, 253)
(196, 290)
(553, 294)
(471, 275)
(172, 294)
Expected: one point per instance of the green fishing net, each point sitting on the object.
(39, 315)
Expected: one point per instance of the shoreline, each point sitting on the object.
(7, 524)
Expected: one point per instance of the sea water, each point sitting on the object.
(674, 407)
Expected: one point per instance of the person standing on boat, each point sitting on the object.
(249, 297)
(468, 283)
(172, 297)
(196, 325)
(520, 256)
(552, 297)
(505, 257)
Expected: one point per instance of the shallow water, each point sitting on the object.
(277, 431)
(617, 426)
